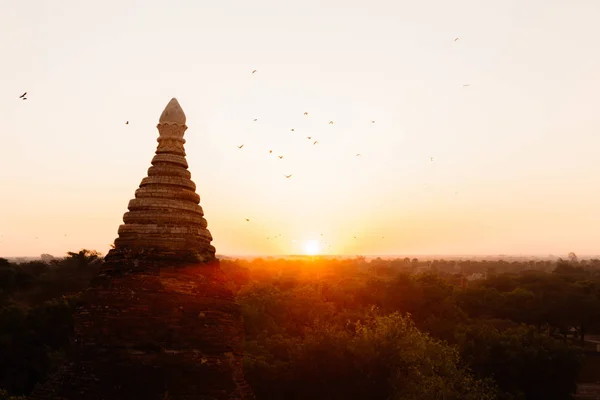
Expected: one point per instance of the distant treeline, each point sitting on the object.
(352, 329)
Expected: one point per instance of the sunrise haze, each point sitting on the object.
(506, 165)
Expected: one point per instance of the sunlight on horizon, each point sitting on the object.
(504, 165)
(312, 247)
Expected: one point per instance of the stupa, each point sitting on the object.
(158, 323)
(165, 220)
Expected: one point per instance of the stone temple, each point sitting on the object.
(158, 321)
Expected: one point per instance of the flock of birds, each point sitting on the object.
(315, 142)
(24, 97)
(330, 123)
(293, 130)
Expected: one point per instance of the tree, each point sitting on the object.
(84, 257)
(381, 357)
(46, 257)
(522, 361)
(573, 257)
(479, 302)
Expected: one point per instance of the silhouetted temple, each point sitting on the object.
(158, 322)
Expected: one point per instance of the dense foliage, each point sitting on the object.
(37, 300)
(405, 329)
(352, 328)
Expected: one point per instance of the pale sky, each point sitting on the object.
(515, 170)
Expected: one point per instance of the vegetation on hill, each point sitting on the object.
(352, 329)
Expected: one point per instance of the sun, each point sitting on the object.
(311, 247)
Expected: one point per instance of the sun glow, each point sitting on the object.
(312, 247)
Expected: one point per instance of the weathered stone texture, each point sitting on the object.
(166, 213)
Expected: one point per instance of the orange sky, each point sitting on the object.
(515, 167)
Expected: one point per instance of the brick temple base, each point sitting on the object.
(155, 334)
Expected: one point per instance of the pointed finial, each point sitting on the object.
(173, 113)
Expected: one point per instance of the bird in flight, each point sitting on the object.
(373, 121)
(309, 137)
(23, 95)
(126, 122)
(292, 129)
(288, 176)
(305, 112)
(270, 151)
(466, 85)
(253, 71)
(239, 147)
(330, 122)
(280, 157)
(255, 119)
(456, 39)
(247, 219)
(354, 237)
(358, 154)
(315, 142)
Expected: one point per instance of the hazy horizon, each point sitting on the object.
(383, 256)
(514, 167)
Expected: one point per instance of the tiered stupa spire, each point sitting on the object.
(165, 219)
